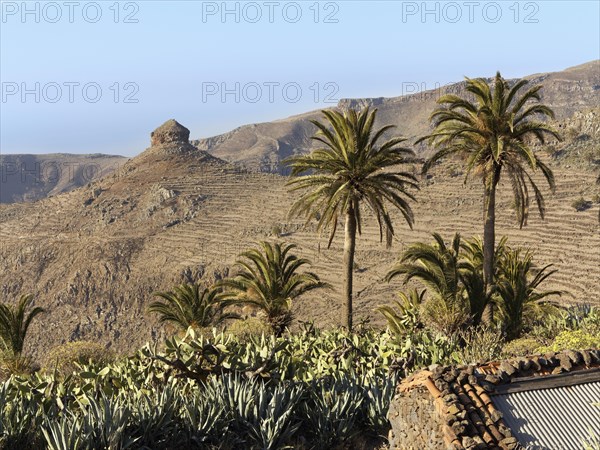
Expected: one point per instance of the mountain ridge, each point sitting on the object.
(263, 146)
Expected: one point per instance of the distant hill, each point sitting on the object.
(25, 178)
(263, 146)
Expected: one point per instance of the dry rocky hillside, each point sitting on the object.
(25, 178)
(94, 256)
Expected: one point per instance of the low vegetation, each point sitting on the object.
(581, 204)
(311, 389)
(190, 306)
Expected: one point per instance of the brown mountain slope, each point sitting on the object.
(94, 256)
(26, 178)
(263, 146)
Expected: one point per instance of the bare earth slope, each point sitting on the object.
(94, 256)
(26, 178)
(263, 146)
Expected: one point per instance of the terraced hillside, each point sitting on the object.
(94, 256)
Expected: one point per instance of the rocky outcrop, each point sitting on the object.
(170, 132)
(172, 138)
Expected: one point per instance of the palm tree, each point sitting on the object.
(350, 170)
(14, 323)
(472, 275)
(269, 280)
(493, 135)
(403, 317)
(438, 268)
(518, 287)
(190, 305)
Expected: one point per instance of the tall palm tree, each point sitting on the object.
(352, 169)
(518, 289)
(190, 305)
(14, 323)
(493, 135)
(269, 279)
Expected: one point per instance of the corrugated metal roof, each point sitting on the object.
(552, 419)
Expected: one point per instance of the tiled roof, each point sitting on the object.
(463, 395)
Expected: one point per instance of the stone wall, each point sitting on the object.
(415, 422)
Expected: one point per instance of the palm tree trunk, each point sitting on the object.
(349, 247)
(489, 245)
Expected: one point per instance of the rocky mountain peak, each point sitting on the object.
(170, 132)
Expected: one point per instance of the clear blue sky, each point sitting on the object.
(179, 53)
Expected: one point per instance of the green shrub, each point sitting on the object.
(521, 347)
(247, 328)
(591, 322)
(65, 358)
(576, 317)
(572, 340)
(581, 204)
(446, 317)
(480, 344)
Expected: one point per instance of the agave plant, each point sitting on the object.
(272, 421)
(334, 408)
(154, 416)
(106, 422)
(19, 415)
(64, 434)
(206, 420)
(379, 394)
